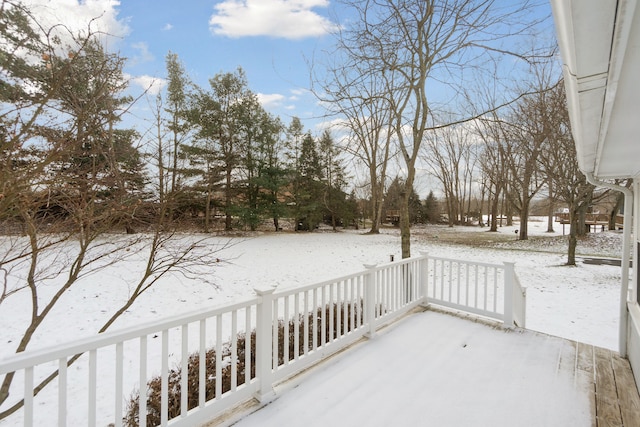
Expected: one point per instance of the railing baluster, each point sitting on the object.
(62, 392)
(234, 350)
(184, 378)
(458, 282)
(315, 318)
(339, 307)
(164, 379)
(398, 286)
(475, 292)
(442, 279)
(323, 317)
(296, 326)
(28, 396)
(352, 302)
(435, 277)
(359, 299)
(218, 357)
(119, 382)
(142, 403)
(450, 280)
(247, 346)
(486, 285)
(285, 332)
(202, 363)
(306, 309)
(93, 385)
(331, 312)
(466, 291)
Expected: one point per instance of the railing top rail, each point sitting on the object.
(35, 357)
(295, 290)
(459, 261)
(292, 291)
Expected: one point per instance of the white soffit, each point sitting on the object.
(599, 46)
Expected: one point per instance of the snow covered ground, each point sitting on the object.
(580, 303)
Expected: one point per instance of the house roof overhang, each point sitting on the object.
(600, 46)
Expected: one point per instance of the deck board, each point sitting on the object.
(625, 382)
(607, 406)
(585, 376)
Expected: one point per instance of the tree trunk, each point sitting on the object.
(405, 226)
(581, 226)
(495, 204)
(376, 205)
(614, 212)
(573, 239)
(524, 221)
(550, 219)
(227, 202)
(207, 211)
(552, 208)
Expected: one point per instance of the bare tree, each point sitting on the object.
(528, 129)
(355, 94)
(451, 154)
(70, 176)
(412, 44)
(560, 163)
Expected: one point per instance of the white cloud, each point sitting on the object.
(80, 16)
(270, 100)
(143, 54)
(153, 85)
(167, 27)
(290, 19)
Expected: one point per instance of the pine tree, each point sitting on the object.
(431, 208)
(309, 183)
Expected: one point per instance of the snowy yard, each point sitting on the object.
(580, 303)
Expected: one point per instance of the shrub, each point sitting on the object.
(154, 396)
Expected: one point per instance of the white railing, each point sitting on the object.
(239, 351)
(490, 290)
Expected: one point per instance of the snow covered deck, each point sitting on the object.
(448, 371)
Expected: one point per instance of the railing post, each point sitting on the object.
(370, 300)
(264, 345)
(424, 279)
(509, 288)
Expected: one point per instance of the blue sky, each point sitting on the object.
(272, 40)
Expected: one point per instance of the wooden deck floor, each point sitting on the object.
(614, 396)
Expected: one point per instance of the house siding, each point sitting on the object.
(633, 322)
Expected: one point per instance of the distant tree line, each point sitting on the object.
(215, 152)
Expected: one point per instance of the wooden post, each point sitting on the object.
(509, 285)
(264, 343)
(370, 300)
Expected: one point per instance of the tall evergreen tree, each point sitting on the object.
(178, 93)
(229, 90)
(431, 209)
(203, 154)
(309, 184)
(334, 198)
(271, 176)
